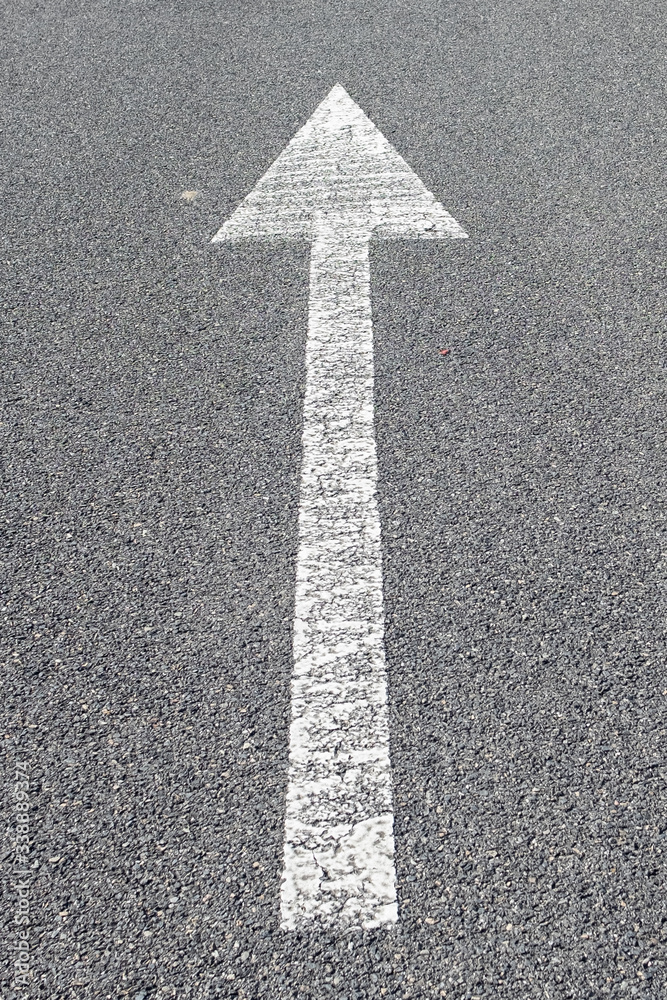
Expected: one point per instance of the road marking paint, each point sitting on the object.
(339, 845)
(339, 183)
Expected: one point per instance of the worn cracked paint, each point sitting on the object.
(339, 183)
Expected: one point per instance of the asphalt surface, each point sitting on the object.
(151, 412)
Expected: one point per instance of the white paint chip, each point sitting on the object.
(339, 183)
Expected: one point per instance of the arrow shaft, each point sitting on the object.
(339, 849)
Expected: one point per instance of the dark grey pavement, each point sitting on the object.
(150, 441)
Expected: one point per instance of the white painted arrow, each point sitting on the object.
(339, 183)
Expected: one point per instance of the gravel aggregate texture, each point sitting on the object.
(151, 389)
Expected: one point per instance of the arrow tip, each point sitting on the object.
(340, 164)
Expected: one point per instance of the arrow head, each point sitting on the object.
(340, 166)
